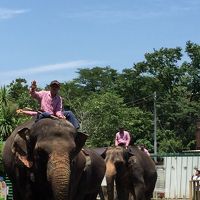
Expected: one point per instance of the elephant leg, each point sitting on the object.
(139, 191)
(150, 185)
(149, 192)
(92, 196)
(122, 194)
(21, 194)
(16, 194)
(122, 191)
(80, 196)
(131, 197)
(137, 179)
(21, 189)
(101, 195)
(138, 188)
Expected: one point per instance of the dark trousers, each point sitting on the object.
(68, 114)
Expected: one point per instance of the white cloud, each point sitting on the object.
(45, 72)
(9, 13)
(48, 68)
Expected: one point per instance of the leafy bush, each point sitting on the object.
(1, 163)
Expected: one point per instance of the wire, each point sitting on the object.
(139, 100)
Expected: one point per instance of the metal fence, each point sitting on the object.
(174, 176)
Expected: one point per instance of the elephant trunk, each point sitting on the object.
(110, 187)
(58, 175)
(110, 177)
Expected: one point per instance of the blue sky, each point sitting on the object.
(48, 39)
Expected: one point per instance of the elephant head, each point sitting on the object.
(49, 147)
(116, 167)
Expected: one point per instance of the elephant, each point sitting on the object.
(132, 170)
(45, 160)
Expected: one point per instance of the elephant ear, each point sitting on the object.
(24, 133)
(80, 140)
(20, 147)
(130, 151)
(101, 151)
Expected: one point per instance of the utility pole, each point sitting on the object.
(155, 127)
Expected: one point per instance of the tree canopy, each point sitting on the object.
(103, 99)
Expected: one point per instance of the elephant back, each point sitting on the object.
(145, 161)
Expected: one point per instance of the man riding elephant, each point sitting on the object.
(44, 158)
(51, 103)
(46, 162)
(122, 138)
(133, 172)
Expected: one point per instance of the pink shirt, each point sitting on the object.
(52, 105)
(122, 138)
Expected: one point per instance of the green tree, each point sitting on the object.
(192, 71)
(105, 112)
(102, 99)
(8, 119)
(96, 79)
(19, 92)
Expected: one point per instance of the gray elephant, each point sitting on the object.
(133, 172)
(45, 161)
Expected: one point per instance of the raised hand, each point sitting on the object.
(33, 85)
(19, 111)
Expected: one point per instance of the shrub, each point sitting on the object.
(1, 163)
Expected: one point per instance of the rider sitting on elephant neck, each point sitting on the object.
(51, 103)
(122, 138)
